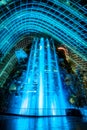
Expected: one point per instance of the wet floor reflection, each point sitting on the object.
(43, 123)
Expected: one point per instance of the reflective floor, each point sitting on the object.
(42, 123)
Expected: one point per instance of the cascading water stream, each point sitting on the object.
(43, 85)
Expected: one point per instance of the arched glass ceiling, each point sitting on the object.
(65, 21)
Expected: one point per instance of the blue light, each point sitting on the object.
(24, 105)
(65, 26)
(20, 54)
(41, 76)
(63, 22)
(62, 100)
(44, 91)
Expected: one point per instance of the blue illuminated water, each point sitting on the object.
(61, 95)
(48, 123)
(43, 86)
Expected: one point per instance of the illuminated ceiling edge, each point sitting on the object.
(31, 16)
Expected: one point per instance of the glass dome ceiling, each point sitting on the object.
(64, 20)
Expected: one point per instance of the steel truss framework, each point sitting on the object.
(65, 21)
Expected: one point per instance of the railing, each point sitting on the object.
(40, 112)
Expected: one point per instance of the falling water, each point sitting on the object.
(61, 96)
(43, 86)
